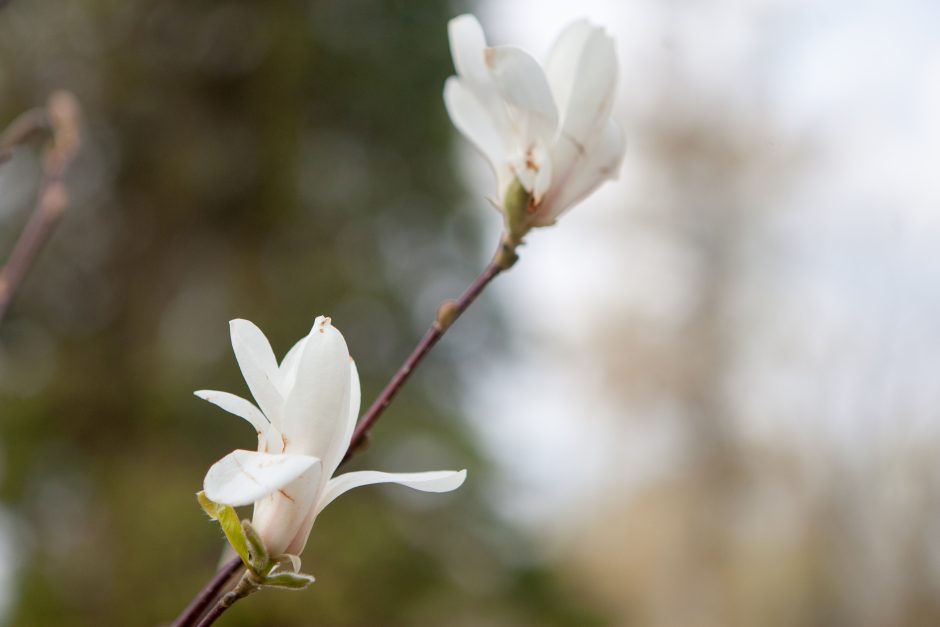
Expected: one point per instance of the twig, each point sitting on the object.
(447, 314)
(209, 594)
(62, 116)
(217, 610)
(21, 129)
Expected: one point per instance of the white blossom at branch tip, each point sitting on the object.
(548, 127)
(307, 407)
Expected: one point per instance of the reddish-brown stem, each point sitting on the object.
(209, 594)
(61, 115)
(447, 314)
(217, 610)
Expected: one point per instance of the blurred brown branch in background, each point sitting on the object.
(61, 117)
(21, 130)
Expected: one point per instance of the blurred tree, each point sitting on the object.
(737, 529)
(271, 161)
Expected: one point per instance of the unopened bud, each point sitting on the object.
(290, 581)
(447, 313)
(257, 551)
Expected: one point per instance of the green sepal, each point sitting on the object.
(258, 553)
(290, 581)
(228, 520)
(516, 209)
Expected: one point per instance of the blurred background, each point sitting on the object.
(707, 398)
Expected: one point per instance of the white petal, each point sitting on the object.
(316, 413)
(435, 481)
(564, 62)
(288, 367)
(299, 540)
(258, 366)
(484, 126)
(355, 398)
(245, 409)
(582, 71)
(243, 477)
(543, 179)
(467, 42)
(522, 84)
(602, 162)
(280, 515)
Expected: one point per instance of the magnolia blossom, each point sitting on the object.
(547, 129)
(307, 409)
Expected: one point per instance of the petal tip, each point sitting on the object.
(463, 18)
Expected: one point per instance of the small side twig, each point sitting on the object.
(21, 129)
(61, 116)
(447, 314)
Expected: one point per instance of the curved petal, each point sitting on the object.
(258, 366)
(475, 121)
(317, 410)
(435, 481)
(288, 367)
(297, 543)
(467, 43)
(243, 477)
(601, 162)
(245, 409)
(582, 71)
(520, 81)
(482, 117)
(564, 62)
(355, 398)
(280, 515)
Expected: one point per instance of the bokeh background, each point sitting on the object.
(707, 398)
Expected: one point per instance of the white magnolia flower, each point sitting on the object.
(308, 409)
(549, 129)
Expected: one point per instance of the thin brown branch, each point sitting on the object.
(217, 610)
(209, 594)
(447, 314)
(61, 115)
